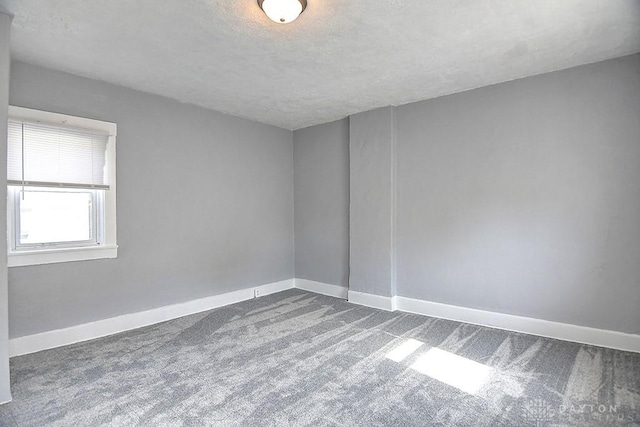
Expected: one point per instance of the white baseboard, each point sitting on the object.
(4, 399)
(60, 337)
(373, 301)
(562, 331)
(527, 325)
(322, 288)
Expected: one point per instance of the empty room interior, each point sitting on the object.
(320, 213)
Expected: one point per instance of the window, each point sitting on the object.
(61, 188)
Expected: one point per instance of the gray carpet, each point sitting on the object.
(300, 359)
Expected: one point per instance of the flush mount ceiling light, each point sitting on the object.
(283, 11)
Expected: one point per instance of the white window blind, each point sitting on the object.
(42, 155)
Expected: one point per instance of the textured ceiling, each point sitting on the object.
(340, 57)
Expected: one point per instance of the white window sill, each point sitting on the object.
(51, 256)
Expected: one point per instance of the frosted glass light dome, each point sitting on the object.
(283, 11)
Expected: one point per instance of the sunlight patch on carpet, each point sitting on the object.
(456, 371)
(404, 350)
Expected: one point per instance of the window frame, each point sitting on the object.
(105, 245)
(97, 220)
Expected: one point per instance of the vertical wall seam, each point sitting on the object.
(5, 71)
(293, 201)
(349, 203)
(394, 166)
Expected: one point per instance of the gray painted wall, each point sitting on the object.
(5, 63)
(321, 195)
(205, 206)
(524, 197)
(371, 154)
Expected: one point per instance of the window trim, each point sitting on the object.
(53, 256)
(108, 247)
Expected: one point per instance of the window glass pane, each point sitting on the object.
(55, 216)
